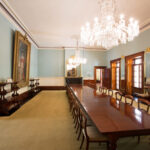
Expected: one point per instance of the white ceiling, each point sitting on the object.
(56, 23)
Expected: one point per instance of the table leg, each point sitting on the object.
(112, 142)
(113, 146)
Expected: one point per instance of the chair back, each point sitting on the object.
(110, 92)
(145, 102)
(105, 90)
(77, 110)
(127, 98)
(83, 121)
(100, 89)
(119, 95)
(69, 93)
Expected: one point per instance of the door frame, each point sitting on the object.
(126, 61)
(111, 62)
(97, 67)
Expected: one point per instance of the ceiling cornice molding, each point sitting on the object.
(73, 48)
(51, 48)
(145, 25)
(7, 9)
(85, 48)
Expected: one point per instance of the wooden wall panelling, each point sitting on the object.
(90, 83)
(87, 81)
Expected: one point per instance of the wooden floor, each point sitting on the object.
(45, 123)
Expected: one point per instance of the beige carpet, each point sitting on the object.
(45, 123)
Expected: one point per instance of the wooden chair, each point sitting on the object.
(79, 124)
(69, 96)
(101, 89)
(70, 99)
(104, 90)
(119, 95)
(76, 116)
(110, 92)
(145, 102)
(75, 110)
(129, 97)
(90, 133)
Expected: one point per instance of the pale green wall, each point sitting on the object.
(147, 57)
(6, 50)
(51, 63)
(139, 44)
(94, 58)
(43, 63)
(7, 31)
(34, 62)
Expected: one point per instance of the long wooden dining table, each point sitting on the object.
(111, 117)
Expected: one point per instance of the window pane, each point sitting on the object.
(118, 64)
(117, 75)
(137, 73)
(138, 61)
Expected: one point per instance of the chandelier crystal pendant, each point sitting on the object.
(76, 60)
(108, 30)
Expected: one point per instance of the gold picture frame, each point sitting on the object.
(21, 63)
(72, 72)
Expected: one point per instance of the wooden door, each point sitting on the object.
(107, 78)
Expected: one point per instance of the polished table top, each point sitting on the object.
(110, 115)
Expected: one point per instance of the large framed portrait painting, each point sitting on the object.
(21, 64)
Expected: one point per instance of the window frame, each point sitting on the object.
(127, 58)
(111, 64)
(140, 76)
(117, 67)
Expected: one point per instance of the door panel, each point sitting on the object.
(129, 76)
(107, 78)
(113, 76)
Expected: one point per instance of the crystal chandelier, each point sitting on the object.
(75, 61)
(108, 30)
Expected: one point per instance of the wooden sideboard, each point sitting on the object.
(11, 100)
(73, 80)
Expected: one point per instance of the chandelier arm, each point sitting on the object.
(107, 32)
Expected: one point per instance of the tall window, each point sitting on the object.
(117, 74)
(137, 72)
